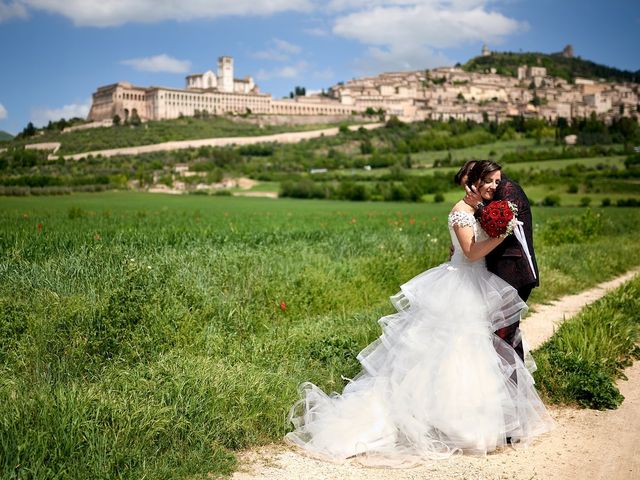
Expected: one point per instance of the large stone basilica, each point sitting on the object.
(204, 92)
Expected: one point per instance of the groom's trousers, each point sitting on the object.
(511, 333)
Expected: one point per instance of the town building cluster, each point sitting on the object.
(437, 94)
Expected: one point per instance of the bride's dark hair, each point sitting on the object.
(480, 170)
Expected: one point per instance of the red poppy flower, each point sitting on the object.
(283, 305)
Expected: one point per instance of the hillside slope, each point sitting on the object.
(557, 65)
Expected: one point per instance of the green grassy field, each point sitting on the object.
(612, 161)
(482, 151)
(187, 128)
(151, 336)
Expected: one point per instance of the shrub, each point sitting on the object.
(629, 202)
(353, 191)
(438, 198)
(76, 212)
(585, 201)
(606, 202)
(303, 188)
(551, 201)
(632, 161)
(366, 147)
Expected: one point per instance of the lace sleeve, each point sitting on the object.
(461, 219)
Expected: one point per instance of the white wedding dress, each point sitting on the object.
(437, 381)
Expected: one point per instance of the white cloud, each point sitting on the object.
(110, 13)
(344, 5)
(407, 34)
(395, 58)
(326, 74)
(41, 116)
(280, 51)
(425, 25)
(289, 71)
(3, 112)
(316, 32)
(271, 55)
(286, 47)
(12, 10)
(159, 63)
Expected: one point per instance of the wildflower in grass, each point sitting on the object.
(353, 220)
(25, 216)
(283, 305)
(412, 221)
(97, 237)
(39, 227)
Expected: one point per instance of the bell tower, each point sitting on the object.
(225, 74)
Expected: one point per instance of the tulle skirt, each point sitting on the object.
(437, 381)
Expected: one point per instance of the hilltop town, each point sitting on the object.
(437, 94)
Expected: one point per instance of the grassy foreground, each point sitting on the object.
(150, 336)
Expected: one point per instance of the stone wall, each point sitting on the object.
(298, 119)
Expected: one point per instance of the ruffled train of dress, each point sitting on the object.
(436, 382)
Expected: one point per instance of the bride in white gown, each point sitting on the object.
(438, 380)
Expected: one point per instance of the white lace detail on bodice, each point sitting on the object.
(461, 219)
(464, 219)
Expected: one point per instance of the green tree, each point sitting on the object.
(135, 118)
(29, 131)
(298, 92)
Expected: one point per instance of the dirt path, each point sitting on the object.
(291, 137)
(587, 444)
(539, 326)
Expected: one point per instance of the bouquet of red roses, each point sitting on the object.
(498, 218)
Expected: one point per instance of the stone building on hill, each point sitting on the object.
(207, 92)
(437, 94)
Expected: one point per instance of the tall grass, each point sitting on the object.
(150, 337)
(581, 362)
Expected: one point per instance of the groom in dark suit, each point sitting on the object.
(508, 260)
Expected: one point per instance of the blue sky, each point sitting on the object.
(55, 53)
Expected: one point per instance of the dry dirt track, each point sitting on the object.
(587, 444)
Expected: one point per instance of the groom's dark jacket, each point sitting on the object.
(508, 259)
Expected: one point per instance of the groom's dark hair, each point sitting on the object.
(464, 171)
(481, 169)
